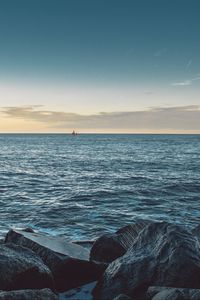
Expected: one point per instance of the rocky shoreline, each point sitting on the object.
(142, 261)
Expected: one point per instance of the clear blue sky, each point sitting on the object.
(85, 57)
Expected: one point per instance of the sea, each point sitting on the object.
(80, 187)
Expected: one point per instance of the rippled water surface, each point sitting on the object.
(83, 186)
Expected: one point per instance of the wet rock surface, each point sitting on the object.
(196, 232)
(86, 244)
(111, 246)
(21, 268)
(162, 254)
(44, 294)
(106, 249)
(169, 293)
(141, 261)
(68, 262)
(123, 297)
(46, 246)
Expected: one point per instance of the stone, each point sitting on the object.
(109, 247)
(123, 297)
(163, 254)
(196, 231)
(170, 293)
(83, 292)
(28, 229)
(167, 294)
(106, 249)
(44, 294)
(69, 262)
(21, 268)
(40, 242)
(85, 244)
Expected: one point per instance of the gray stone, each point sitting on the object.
(111, 246)
(85, 244)
(106, 249)
(83, 292)
(21, 268)
(68, 262)
(163, 254)
(174, 294)
(196, 231)
(28, 229)
(123, 297)
(44, 294)
(171, 293)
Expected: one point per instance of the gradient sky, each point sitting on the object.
(100, 66)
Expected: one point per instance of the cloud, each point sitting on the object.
(186, 82)
(181, 118)
(196, 78)
(160, 52)
(35, 113)
(182, 83)
(188, 64)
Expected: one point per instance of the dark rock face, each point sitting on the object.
(164, 293)
(72, 273)
(85, 244)
(20, 268)
(162, 254)
(111, 246)
(44, 294)
(106, 249)
(196, 232)
(68, 262)
(169, 295)
(123, 297)
(28, 229)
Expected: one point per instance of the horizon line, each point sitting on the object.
(104, 133)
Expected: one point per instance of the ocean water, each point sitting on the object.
(80, 187)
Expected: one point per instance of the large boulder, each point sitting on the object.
(44, 294)
(106, 249)
(69, 262)
(169, 293)
(111, 246)
(21, 268)
(196, 232)
(163, 254)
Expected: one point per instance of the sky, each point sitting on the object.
(127, 66)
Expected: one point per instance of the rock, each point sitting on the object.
(45, 294)
(28, 229)
(21, 268)
(169, 293)
(85, 244)
(123, 297)
(196, 231)
(106, 249)
(154, 290)
(159, 293)
(83, 292)
(111, 246)
(163, 254)
(42, 243)
(68, 262)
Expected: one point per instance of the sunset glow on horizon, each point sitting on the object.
(99, 66)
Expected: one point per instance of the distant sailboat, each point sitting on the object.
(74, 132)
